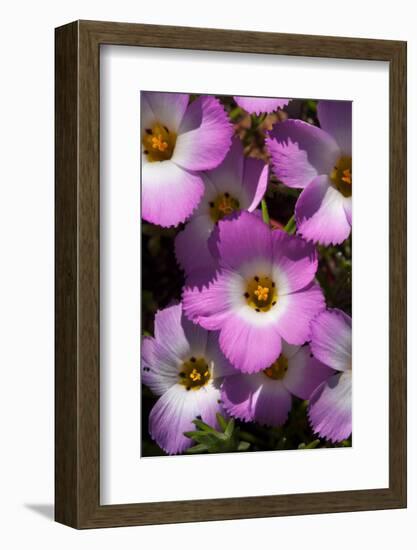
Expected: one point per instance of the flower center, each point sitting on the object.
(341, 176)
(278, 369)
(261, 293)
(195, 373)
(158, 143)
(223, 205)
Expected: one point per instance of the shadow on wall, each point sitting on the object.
(45, 510)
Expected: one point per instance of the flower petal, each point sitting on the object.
(305, 373)
(210, 194)
(228, 175)
(242, 239)
(296, 311)
(320, 213)
(255, 397)
(173, 413)
(273, 403)
(330, 408)
(169, 193)
(294, 262)
(221, 366)
(195, 336)
(239, 394)
(331, 339)
(336, 118)
(210, 305)
(347, 205)
(209, 403)
(191, 246)
(147, 116)
(242, 177)
(255, 181)
(300, 151)
(169, 332)
(289, 350)
(159, 367)
(249, 347)
(260, 104)
(204, 136)
(167, 108)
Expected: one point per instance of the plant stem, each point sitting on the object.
(234, 113)
(265, 213)
(290, 227)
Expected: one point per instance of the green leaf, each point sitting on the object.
(229, 428)
(195, 434)
(197, 449)
(208, 439)
(222, 421)
(312, 445)
(203, 426)
(243, 446)
(202, 437)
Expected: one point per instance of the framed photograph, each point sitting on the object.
(230, 309)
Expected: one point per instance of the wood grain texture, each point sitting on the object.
(66, 237)
(78, 286)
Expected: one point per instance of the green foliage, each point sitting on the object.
(210, 440)
(235, 436)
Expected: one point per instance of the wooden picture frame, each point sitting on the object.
(77, 373)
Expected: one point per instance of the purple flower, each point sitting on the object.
(265, 397)
(319, 161)
(239, 183)
(183, 365)
(260, 105)
(263, 292)
(178, 141)
(330, 408)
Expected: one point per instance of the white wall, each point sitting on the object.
(26, 289)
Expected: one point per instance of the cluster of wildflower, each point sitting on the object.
(252, 328)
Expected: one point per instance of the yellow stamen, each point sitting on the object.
(158, 143)
(223, 205)
(262, 293)
(278, 369)
(341, 176)
(194, 373)
(347, 176)
(195, 376)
